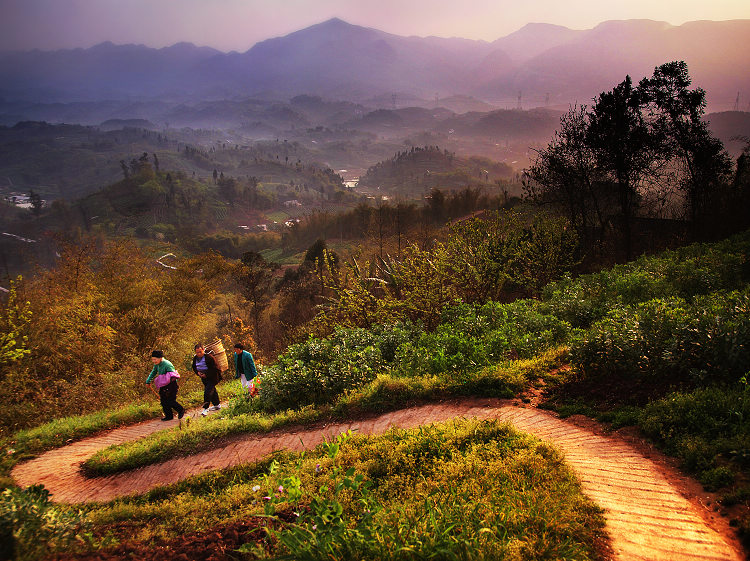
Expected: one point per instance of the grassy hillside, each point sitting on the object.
(418, 170)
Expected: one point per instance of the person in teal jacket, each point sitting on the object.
(244, 367)
(167, 385)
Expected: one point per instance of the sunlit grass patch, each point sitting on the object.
(459, 490)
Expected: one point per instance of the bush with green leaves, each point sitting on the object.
(319, 370)
(671, 340)
(468, 339)
(472, 337)
(30, 526)
(686, 273)
(706, 429)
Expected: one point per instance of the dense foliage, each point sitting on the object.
(421, 169)
(30, 526)
(671, 341)
(468, 339)
(677, 318)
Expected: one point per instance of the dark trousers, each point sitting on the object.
(210, 395)
(168, 398)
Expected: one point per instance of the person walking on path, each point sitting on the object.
(244, 366)
(205, 367)
(164, 376)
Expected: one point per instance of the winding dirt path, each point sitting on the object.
(647, 517)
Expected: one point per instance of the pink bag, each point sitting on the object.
(163, 379)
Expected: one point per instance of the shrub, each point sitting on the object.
(701, 427)
(30, 526)
(467, 339)
(671, 340)
(470, 338)
(715, 478)
(685, 273)
(319, 370)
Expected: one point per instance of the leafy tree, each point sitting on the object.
(323, 260)
(14, 319)
(565, 174)
(634, 144)
(477, 257)
(624, 147)
(541, 253)
(427, 285)
(255, 276)
(677, 113)
(501, 250)
(353, 302)
(416, 287)
(36, 202)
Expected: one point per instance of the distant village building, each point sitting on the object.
(20, 200)
(292, 203)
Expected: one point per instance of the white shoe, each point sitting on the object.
(204, 412)
(214, 407)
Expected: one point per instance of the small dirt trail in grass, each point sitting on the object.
(647, 516)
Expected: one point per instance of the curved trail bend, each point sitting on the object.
(647, 518)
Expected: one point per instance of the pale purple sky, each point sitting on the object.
(239, 24)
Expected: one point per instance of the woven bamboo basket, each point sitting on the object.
(216, 350)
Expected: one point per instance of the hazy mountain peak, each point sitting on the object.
(631, 25)
(335, 22)
(182, 45)
(536, 27)
(533, 39)
(104, 46)
(334, 25)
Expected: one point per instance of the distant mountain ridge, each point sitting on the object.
(540, 63)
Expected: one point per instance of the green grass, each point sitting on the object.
(456, 490)
(279, 216)
(385, 393)
(281, 257)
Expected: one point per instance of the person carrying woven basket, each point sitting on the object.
(164, 375)
(205, 368)
(244, 367)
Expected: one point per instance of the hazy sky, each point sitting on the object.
(239, 24)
